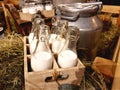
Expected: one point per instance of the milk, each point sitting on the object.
(42, 46)
(32, 10)
(48, 7)
(41, 61)
(25, 10)
(30, 37)
(33, 45)
(52, 38)
(40, 7)
(67, 58)
(58, 44)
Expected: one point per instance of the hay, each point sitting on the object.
(11, 62)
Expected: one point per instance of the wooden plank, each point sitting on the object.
(111, 9)
(117, 52)
(104, 66)
(116, 81)
(6, 18)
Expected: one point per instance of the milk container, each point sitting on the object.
(40, 7)
(34, 34)
(57, 37)
(41, 61)
(44, 35)
(48, 5)
(42, 57)
(36, 20)
(68, 55)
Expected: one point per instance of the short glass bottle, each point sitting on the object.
(68, 55)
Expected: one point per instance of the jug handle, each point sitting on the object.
(71, 18)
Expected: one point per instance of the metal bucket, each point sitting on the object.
(68, 87)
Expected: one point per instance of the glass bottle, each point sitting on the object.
(58, 36)
(48, 5)
(34, 35)
(25, 8)
(42, 57)
(68, 55)
(36, 20)
(44, 33)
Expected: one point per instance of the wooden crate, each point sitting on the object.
(41, 80)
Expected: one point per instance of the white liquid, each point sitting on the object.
(42, 46)
(41, 61)
(67, 58)
(58, 44)
(40, 7)
(25, 10)
(32, 10)
(52, 38)
(33, 45)
(30, 37)
(49, 7)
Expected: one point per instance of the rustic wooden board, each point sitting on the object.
(116, 81)
(110, 8)
(6, 18)
(104, 66)
(37, 80)
(116, 52)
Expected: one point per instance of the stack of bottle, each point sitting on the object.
(33, 7)
(57, 42)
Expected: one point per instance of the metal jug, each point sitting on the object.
(84, 16)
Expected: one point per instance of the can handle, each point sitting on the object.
(73, 18)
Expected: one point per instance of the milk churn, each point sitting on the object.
(84, 16)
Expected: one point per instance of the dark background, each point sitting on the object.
(111, 2)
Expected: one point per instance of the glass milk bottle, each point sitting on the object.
(42, 57)
(57, 37)
(44, 33)
(68, 55)
(36, 20)
(48, 5)
(34, 35)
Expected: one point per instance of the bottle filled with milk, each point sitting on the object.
(36, 20)
(58, 36)
(34, 34)
(68, 55)
(42, 58)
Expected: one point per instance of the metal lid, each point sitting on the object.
(75, 10)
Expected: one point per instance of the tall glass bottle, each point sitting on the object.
(68, 55)
(58, 36)
(36, 20)
(34, 35)
(42, 57)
